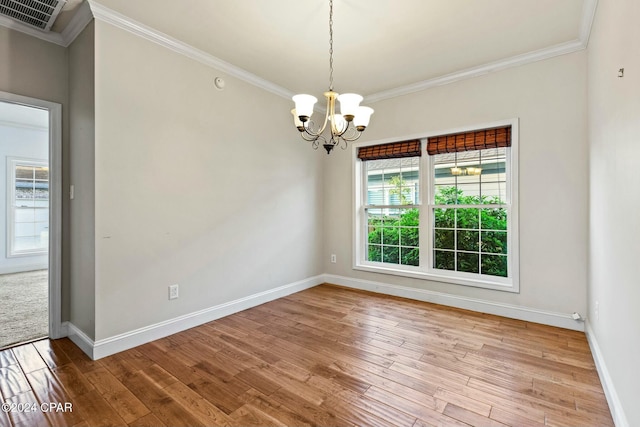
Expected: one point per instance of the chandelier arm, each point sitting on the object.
(352, 138)
(309, 137)
(350, 133)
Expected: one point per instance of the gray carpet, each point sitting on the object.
(24, 307)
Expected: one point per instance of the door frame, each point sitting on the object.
(55, 205)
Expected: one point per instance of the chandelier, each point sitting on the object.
(345, 126)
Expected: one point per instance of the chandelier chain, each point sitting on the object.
(331, 45)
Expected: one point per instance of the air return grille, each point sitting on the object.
(40, 14)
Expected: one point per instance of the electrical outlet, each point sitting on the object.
(173, 291)
(333, 258)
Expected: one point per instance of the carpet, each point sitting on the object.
(24, 307)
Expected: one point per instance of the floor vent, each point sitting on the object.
(40, 14)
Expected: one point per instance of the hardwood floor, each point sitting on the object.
(325, 356)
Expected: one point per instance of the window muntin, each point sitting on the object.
(28, 207)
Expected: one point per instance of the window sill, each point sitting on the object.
(415, 273)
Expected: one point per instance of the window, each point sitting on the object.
(28, 207)
(447, 216)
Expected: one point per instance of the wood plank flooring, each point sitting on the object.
(325, 356)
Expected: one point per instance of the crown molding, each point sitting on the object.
(76, 25)
(123, 22)
(80, 20)
(586, 22)
(503, 64)
(588, 15)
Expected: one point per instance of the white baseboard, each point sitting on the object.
(79, 338)
(562, 320)
(615, 406)
(23, 268)
(108, 346)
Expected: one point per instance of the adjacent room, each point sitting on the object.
(334, 212)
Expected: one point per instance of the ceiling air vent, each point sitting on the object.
(40, 14)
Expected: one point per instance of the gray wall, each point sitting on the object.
(549, 98)
(38, 69)
(81, 169)
(614, 135)
(208, 189)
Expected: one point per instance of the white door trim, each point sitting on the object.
(55, 205)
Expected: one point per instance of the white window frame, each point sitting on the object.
(12, 164)
(425, 271)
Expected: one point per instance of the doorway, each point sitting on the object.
(30, 148)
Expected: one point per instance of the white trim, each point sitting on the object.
(80, 20)
(56, 329)
(491, 67)
(79, 338)
(112, 345)
(55, 220)
(586, 23)
(23, 268)
(615, 406)
(561, 320)
(425, 272)
(123, 22)
(581, 43)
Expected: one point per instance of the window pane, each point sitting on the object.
(444, 239)
(374, 253)
(446, 195)
(468, 240)
(494, 242)
(493, 219)
(410, 256)
(467, 218)
(468, 262)
(24, 172)
(390, 235)
(24, 215)
(391, 254)
(444, 260)
(393, 181)
(494, 178)
(469, 194)
(410, 236)
(444, 218)
(41, 173)
(494, 265)
(24, 230)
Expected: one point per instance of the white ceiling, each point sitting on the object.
(380, 46)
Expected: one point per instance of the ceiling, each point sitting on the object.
(381, 47)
